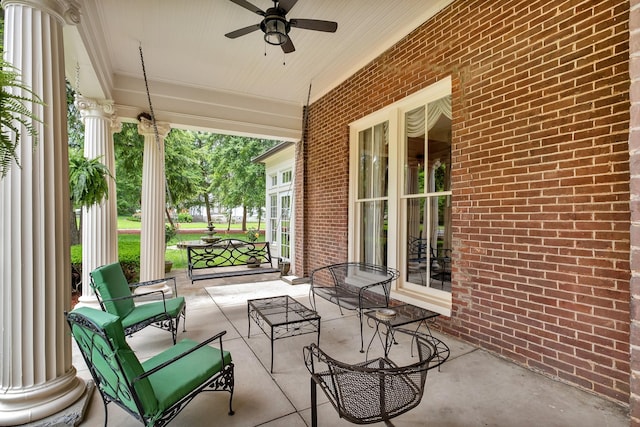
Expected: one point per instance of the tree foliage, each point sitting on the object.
(236, 179)
(128, 147)
(182, 169)
(201, 169)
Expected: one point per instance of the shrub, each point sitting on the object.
(170, 232)
(128, 254)
(252, 234)
(185, 217)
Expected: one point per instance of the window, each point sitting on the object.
(286, 177)
(273, 217)
(400, 194)
(274, 180)
(371, 204)
(285, 226)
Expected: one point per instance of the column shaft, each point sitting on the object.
(36, 375)
(99, 222)
(152, 244)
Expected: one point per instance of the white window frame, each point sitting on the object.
(432, 299)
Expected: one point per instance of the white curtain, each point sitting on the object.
(415, 119)
(374, 155)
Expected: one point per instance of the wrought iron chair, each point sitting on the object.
(375, 390)
(156, 390)
(353, 286)
(115, 297)
(441, 265)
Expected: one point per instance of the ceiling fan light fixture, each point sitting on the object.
(275, 30)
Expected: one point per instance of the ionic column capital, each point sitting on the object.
(89, 107)
(146, 128)
(66, 11)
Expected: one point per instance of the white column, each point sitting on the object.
(99, 222)
(36, 375)
(152, 245)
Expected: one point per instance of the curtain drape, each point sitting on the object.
(415, 119)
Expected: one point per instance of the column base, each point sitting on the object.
(88, 301)
(31, 404)
(162, 286)
(71, 416)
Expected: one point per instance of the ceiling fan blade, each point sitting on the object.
(288, 46)
(243, 31)
(314, 24)
(249, 6)
(286, 5)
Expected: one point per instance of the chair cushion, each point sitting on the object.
(102, 358)
(179, 379)
(142, 312)
(109, 282)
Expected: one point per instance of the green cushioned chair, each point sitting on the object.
(115, 297)
(156, 390)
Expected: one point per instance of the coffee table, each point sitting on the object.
(282, 317)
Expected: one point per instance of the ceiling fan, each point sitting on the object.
(275, 25)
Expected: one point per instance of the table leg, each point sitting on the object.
(314, 404)
(272, 349)
(248, 321)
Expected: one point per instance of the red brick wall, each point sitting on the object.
(634, 162)
(540, 177)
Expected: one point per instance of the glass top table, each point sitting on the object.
(395, 317)
(282, 317)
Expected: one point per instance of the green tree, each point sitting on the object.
(128, 147)
(182, 169)
(236, 178)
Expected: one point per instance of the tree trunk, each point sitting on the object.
(244, 218)
(166, 210)
(76, 231)
(207, 205)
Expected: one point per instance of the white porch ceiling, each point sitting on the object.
(199, 79)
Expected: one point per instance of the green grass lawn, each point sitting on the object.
(131, 242)
(126, 223)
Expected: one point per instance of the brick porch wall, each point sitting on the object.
(634, 149)
(540, 177)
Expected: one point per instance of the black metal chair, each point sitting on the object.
(375, 390)
(441, 265)
(353, 286)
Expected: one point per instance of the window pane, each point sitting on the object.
(285, 233)
(440, 263)
(373, 232)
(414, 136)
(439, 145)
(428, 237)
(373, 155)
(273, 217)
(417, 258)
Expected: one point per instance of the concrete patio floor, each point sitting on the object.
(473, 388)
